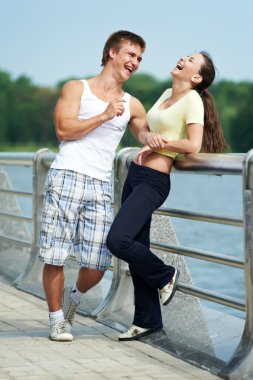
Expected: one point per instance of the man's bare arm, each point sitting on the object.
(139, 126)
(138, 122)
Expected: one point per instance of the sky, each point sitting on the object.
(54, 40)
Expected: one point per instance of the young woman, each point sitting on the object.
(183, 120)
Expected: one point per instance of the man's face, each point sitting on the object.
(127, 59)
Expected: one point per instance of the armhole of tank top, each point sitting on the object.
(128, 99)
(85, 87)
(127, 96)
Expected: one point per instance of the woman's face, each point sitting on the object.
(188, 67)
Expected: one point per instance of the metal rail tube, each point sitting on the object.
(14, 192)
(10, 239)
(47, 160)
(199, 254)
(212, 296)
(16, 217)
(205, 163)
(16, 158)
(197, 216)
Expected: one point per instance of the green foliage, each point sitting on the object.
(234, 103)
(144, 87)
(6, 88)
(28, 147)
(26, 110)
(241, 124)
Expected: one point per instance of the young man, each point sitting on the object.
(90, 119)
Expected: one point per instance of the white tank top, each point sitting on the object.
(94, 153)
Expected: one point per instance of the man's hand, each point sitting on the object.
(114, 108)
(143, 153)
(155, 141)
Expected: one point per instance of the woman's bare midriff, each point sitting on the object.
(158, 162)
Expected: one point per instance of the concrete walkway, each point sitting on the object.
(27, 353)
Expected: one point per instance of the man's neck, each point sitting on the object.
(106, 87)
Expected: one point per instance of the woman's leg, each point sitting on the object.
(121, 240)
(147, 313)
(129, 239)
(147, 195)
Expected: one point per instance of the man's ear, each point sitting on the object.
(112, 53)
(196, 79)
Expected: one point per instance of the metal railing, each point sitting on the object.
(240, 365)
(218, 164)
(15, 159)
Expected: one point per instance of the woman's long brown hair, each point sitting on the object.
(213, 139)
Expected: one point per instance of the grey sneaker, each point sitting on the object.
(59, 332)
(69, 308)
(168, 291)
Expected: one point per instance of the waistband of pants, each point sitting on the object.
(148, 169)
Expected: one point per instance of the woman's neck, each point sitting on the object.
(180, 89)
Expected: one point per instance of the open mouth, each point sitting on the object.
(179, 67)
(129, 68)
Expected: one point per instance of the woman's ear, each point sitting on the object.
(196, 79)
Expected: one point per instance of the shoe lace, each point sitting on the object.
(134, 330)
(60, 327)
(71, 310)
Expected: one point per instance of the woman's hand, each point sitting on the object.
(143, 153)
(155, 141)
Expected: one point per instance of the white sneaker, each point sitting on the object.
(59, 332)
(168, 291)
(69, 308)
(136, 332)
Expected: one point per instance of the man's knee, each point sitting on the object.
(50, 268)
(91, 273)
(88, 278)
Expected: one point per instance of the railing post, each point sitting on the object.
(240, 366)
(31, 278)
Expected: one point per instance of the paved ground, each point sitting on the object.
(27, 353)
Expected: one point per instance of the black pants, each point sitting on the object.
(145, 190)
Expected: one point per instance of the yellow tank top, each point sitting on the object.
(172, 121)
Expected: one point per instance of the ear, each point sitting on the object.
(112, 53)
(196, 79)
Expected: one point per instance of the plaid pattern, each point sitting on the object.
(76, 219)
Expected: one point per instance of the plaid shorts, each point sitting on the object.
(76, 219)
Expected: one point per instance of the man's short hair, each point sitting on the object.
(115, 40)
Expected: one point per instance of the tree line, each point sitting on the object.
(26, 110)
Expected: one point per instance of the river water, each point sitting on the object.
(220, 195)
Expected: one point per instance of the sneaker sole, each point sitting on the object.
(61, 340)
(173, 290)
(136, 337)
